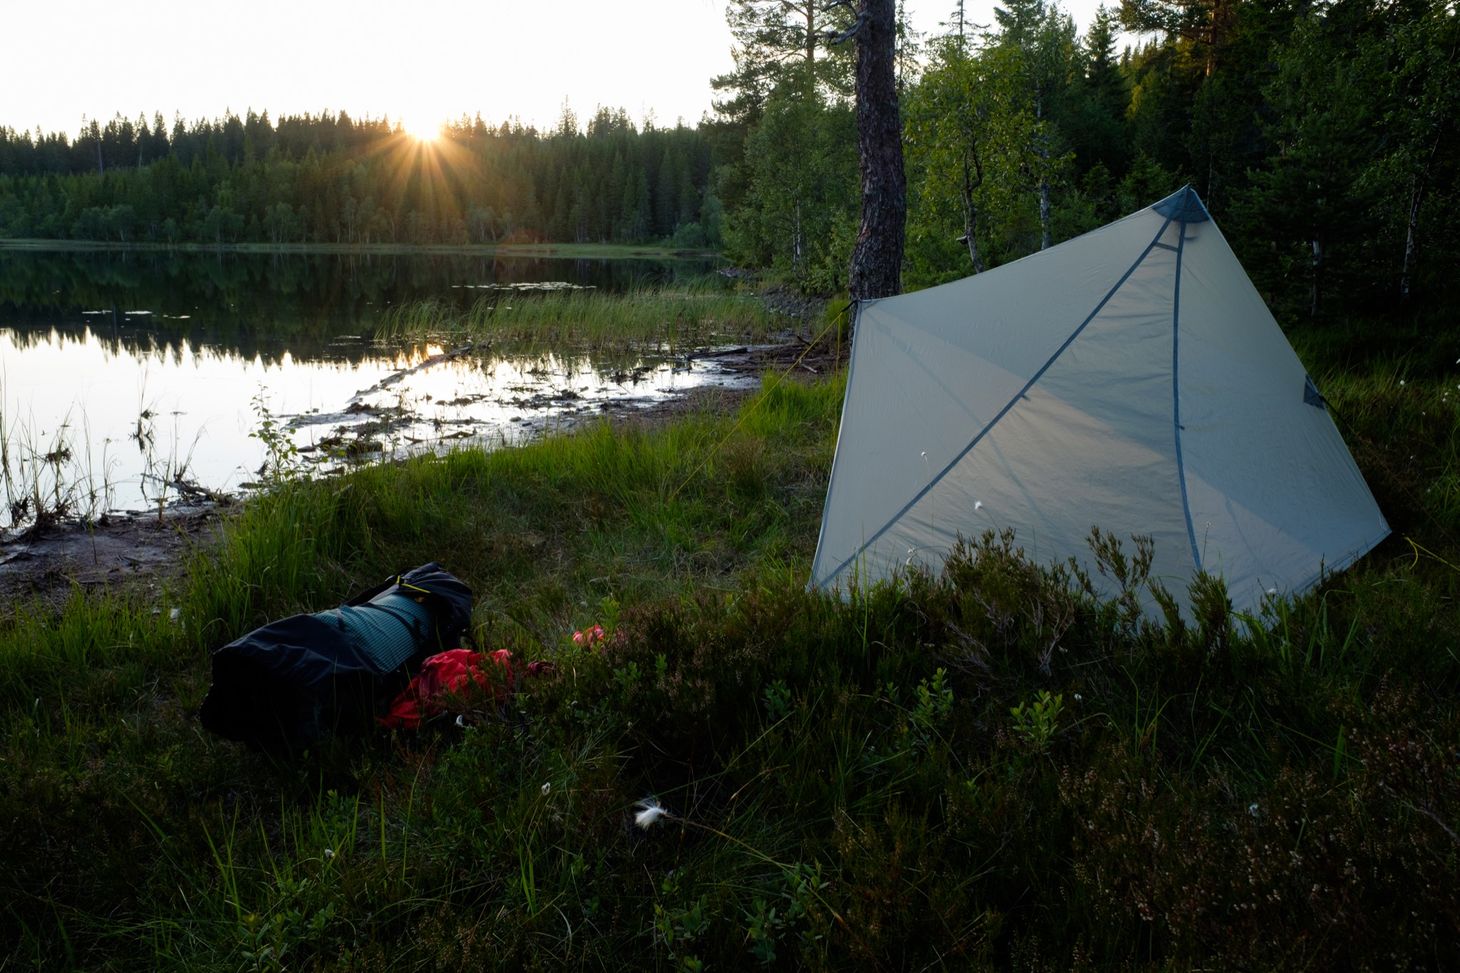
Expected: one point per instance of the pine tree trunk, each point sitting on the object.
(876, 269)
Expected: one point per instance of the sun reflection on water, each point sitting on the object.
(135, 416)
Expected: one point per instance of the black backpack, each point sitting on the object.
(287, 684)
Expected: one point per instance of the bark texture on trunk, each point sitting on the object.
(876, 269)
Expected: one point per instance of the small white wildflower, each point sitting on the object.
(329, 853)
(1253, 809)
(978, 505)
(1401, 381)
(461, 720)
(1272, 591)
(1079, 698)
(649, 811)
(175, 614)
(547, 788)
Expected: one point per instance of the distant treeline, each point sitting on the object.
(1321, 136)
(335, 179)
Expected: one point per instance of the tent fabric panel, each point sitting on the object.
(1092, 445)
(1052, 474)
(1273, 488)
(1018, 314)
(1176, 409)
(900, 425)
(928, 377)
(1256, 556)
(1079, 449)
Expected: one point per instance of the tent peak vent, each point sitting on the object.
(1183, 206)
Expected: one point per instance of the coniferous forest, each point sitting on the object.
(1321, 136)
(674, 754)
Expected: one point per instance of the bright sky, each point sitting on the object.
(420, 61)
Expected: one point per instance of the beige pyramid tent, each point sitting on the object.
(1130, 379)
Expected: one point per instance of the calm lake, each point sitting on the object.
(126, 375)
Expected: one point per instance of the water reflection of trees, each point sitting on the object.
(178, 345)
(127, 339)
(247, 300)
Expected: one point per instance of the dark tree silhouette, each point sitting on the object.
(876, 269)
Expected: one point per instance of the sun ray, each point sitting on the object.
(425, 177)
(421, 131)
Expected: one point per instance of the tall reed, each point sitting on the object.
(675, 318)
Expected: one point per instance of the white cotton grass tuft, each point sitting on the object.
(649, 811)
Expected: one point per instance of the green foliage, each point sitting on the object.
(337, 180)
(933, 704)
(990, 767)
(1035, 723)
(798, 212)
(1312, 133)
(282, 461)
(673, 318)
(1317, 134)
(985, 765)
(776, 42)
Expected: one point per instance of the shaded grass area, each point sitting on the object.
(683, 316)
(986, 769)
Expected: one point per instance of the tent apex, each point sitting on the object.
(1183, 206)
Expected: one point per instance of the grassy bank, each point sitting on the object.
(989, 769)
(680, 316)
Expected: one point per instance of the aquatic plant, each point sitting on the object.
(672, 318)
